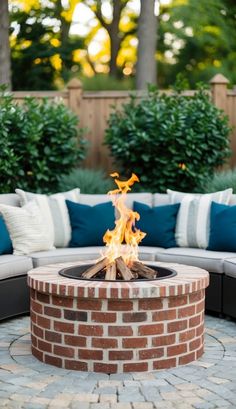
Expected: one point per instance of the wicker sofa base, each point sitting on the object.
(14, 297)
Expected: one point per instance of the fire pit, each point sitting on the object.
(118, 314)
(117, 326)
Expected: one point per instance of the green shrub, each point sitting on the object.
(169, 141)
(220, 181)
(89, 181)
(39, 141)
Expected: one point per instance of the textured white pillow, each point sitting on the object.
(193, 219)
(55, 212)
(27, 228)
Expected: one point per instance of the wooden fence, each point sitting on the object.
(94, 108)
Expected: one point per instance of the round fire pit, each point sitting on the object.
(117, 326)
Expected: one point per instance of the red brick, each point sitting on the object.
(94, 354)
(38, 354)
(33, 317)
(62, 301)
(45, 298)
(52, 360)
(119, 305)
(187, 335)
(176, 349)
(52, 312)
(134, 343)
(164, 363)
(120, 355)
(34, 340)
(105, 343)
(64, 351)
(178, 301)
(163, 340)
(76, 365)
(186, 311)
(200, 352)
(43, 322)
(63, 327)
(176, 326)
(103, 316)
(32, 294)
(200, 330)
(134, 316)
(36, 307)
(75, 341)
(151, 353)
(120, 331)
(150, 304)
(37, 331)
(150, 329)
(93, 330)
(53, 337)
(164, 315)
(91, 305)
(44, 346)
(135, 367)
(195, 297)
(195, 344)
(105, 368)
(194, 321)
(72, 315)
(200, 307)
(185, 359)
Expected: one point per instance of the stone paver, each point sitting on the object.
(26, 383)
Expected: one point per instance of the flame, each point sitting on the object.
(124, 231)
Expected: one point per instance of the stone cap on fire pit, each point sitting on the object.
(188, 279)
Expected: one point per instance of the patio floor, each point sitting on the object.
(29, 384)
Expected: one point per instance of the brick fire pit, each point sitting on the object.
(116, 326)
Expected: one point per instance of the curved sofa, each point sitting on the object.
(220, 295)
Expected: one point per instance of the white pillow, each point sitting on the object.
(27, 228)
(55, 213)
(193, 219)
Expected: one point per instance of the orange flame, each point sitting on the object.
(124, 231)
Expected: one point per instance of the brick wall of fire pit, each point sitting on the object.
(117, 326)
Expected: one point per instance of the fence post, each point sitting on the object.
(219, 91)
(75, 92)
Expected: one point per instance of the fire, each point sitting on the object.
(124, 231)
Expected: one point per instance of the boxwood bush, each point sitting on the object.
(39, 141)
(169, 141)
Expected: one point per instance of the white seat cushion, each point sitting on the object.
(230, 267)
(12, 266)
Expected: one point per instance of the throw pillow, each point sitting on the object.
(27, 228)
(89, 223)
(222, 228)
(5, 241)
(193, 220)
(55, 213)
(159, 224)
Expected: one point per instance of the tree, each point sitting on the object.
(147, 39)
(5, 65)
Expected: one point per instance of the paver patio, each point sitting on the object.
(26, 383)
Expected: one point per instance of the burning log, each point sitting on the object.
(96, 268)
(123, 269)
(111, 272)
(143, 271)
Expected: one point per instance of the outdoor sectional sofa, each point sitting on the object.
(220, 295)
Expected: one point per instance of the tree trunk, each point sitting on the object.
(147, 41)
(113, 31)
(5, 55)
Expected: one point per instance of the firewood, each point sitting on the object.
(92, 271)
(111, 272)
(123, 269)
(143, 270)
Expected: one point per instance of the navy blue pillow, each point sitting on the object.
(159, 224)
(222, 228)
(5, 241)
(89, 223)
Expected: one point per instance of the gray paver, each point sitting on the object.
(210, 383)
